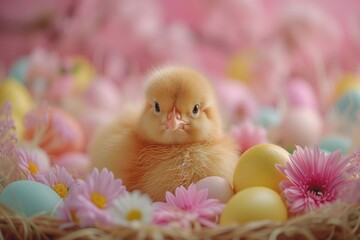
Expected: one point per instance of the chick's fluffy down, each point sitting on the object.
(176, 139)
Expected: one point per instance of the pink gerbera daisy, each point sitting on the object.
(59, 179)
(90, 205)
(32, 161)
(315, 179)
(187, 207)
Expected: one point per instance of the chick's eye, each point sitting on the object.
(157, 107)
(196, 109)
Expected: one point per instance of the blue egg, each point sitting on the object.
(268, 117)
(19, 69)
(30, 198)
(335, 142)
(349, 106)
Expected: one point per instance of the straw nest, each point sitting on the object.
(336, 221)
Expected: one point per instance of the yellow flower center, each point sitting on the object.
(33, 168)
(61, 189)
(98, 199)
(133, 214)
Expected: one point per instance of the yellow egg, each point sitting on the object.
(17, 94)
(240, 66)
(256, 167)
(347, 82)
(254, 204)
(83, 73)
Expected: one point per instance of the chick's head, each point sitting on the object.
(181, 108)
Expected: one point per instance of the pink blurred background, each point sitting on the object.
(277, 53)
(206, 33)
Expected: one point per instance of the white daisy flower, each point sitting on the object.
(132, 209)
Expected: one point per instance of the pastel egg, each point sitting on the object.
(91, 119)
(82, 72)
(240, 66)
(268, 117)
(348, 107)
(335, 142)
(102, 94)
(77, 163)
(254, 204)
(256, 167)
(218, 188)
(300, 126)
(301, 94)
(30, 198)
(61, 133)
(19, 69)
(18, 95)
(347, 82)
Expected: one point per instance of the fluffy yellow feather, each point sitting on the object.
(175, 140)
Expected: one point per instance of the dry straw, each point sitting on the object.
(336, 221)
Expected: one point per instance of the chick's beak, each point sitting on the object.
(174, 120)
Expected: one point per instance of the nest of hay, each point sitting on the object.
(336, 221)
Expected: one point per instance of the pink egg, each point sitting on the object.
(56, 131)
(300, 126)
(236, 100)
(301, 94)
(77, 163)
(103, 94)
(91, 119)
(218, 188)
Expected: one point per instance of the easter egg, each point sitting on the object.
(19, 69)
(299, 93)
(348, 107)
(103, 94)
(254, 204)
(82, 72)
(76, 163)
(60, 132)
(218, 188)
(91, 119)
(240, 66)
(347, 82)
(256, 167)
(30, 198)
(300, 126)
(335, 142)
(17, 94)
(268, 117)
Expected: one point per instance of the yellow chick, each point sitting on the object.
(176, 140)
